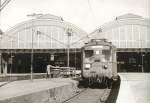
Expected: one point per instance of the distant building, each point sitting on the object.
(131, 35)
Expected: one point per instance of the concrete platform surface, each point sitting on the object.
(24, 87)
(3, 83)
(134, 88)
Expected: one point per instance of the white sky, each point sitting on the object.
(78, 12)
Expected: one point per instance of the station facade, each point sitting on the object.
(48, 38)
(131, 35)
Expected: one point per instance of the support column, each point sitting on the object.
(3, 66)
(0, 63)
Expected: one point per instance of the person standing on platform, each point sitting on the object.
(48, 71)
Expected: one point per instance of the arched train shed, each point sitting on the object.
(48, 37)
(131, 35)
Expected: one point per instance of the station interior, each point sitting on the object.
(21, 62)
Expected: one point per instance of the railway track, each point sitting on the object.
(89, 95)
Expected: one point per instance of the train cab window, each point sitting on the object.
(88, 53)
(107, 54)
(97, 52)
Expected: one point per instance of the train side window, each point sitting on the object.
(88, 53)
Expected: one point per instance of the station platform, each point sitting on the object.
(134, 88)
(38, 90)
(3, 83)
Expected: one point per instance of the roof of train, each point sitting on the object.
(99, 42)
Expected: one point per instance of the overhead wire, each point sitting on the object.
(91, 9)
(12, 37)
(83, 38)
(4, 4)
(87, 36)
(52, 38)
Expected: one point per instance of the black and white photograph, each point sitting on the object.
(74, 51)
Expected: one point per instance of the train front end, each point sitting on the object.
(99, 61)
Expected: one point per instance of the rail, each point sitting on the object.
(89, 95)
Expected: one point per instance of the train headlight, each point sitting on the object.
(105, 66)
(87, 65)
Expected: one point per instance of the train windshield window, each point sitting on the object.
(88, 53)
(107, 54)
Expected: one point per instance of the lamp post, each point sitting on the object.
(32, 56)
(31, 67)
(11, 58)
(142, 56)
(69, 34)
(142, 62)
(1, 33)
